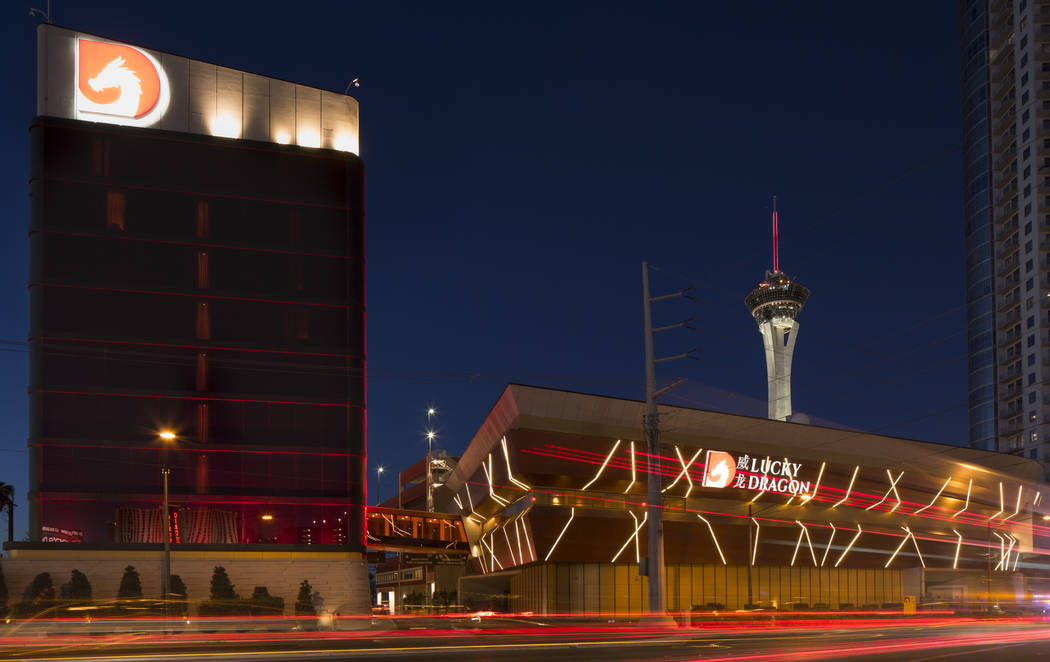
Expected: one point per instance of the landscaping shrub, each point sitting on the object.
(130, 584)
(264, 604)
(79, 586)
(304, 602)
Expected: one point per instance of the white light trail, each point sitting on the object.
(602, 468)
(1017, 508)
(633, 474)
(1002, 506)
(714, 538)
(848, 489)
(849, 546)
(510, 474)
(967, 504)
(828, 547)
(572, 513)
(935, 497)
(685, 470)
(892, 489)
(1002, 550)
(958, 548)
(754, 552)
(816, 486)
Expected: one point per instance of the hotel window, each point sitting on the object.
(1028, 266)
(202, 421)
(1028, 227)
(1035, 436)
(116, 210)
(203, 279)
(1031, 359)
(203, 322)
(1027, 190)
(1031, 378)
(1029, 284)
(100, 157)
(1031, 341)
(1033, 417)
(202, 372)
(203, 221)
(1030, 322)
(1031, 397)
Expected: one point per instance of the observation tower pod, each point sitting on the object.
(775, 304)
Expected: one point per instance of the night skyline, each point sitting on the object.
(512, 197)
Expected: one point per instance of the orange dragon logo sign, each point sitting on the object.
(119, 84)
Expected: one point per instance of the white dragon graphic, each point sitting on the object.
(114, 74)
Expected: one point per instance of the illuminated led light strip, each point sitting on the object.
(958, 548)
(633, 536)
(754, 552)
(935, 497)
(755, 498)
(528, 543)
(849, 546)
(893, 488)
(904, 541)
(848, 489)
(510, 474)
(458, 502)
(633, 475)
(714, 538)
(685, 470)
(967, 504)
(1017, 508)
(510, 549)
(492, 552)
(1002, 549)
(517, 536)
(1002, 507)
(792, 497)
(809, 542)
(1038, 498)
(915, 542)
(828, 548)
(816, 486)
(1009, 551)
(602, 468)
(572, 513)
(1017, 557)
(488, 476)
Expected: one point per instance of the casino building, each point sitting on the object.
(197, 295)
(757, 511)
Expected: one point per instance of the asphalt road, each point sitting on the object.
(520, 640)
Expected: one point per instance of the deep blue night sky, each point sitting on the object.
(522, 160)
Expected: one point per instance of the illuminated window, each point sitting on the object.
(202, 218)
(116, 210)
(202, 372)
(202, 421)
(203, 322)
(100, 157)
(203, 279)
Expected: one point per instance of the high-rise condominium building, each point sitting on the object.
(1005, 49)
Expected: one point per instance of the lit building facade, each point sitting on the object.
(552, 490)
(1006, 202)
(197, 266)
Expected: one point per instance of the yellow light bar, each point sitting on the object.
(958, 548)
(892, 488)
(849, 546)
(967, 504)
(1017, 508)
(633, 475)
(602, 468)
(848, 489)
(509, 548)
(685, 470)
(714, 538)
(458, 502)
(488, 476)
(816, 486)
(904, 540)
(828, 547)
(915, 542)
(1002, 550)
(805, 532)
(528, 543)
(572, 513)
(754, 551)
(935, 497)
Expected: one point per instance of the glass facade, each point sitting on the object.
(977, 211)
(208, 287)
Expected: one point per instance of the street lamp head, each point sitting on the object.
(380, 470)
(431, 412)
(430, 435)
(167, 435)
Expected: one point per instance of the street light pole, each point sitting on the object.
(379, 484)
(165, 577)
(430, 443)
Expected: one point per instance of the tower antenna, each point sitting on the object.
(776, 240)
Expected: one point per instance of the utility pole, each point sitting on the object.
(654, 565)
(430, 443)
(750, 562)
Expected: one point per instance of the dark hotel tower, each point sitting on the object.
(207, 286)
